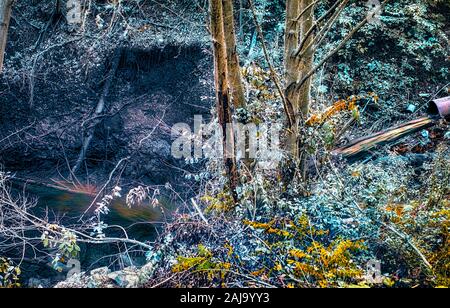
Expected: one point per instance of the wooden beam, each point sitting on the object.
(367, 143)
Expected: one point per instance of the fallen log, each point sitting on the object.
(365, 144)
(439, 108)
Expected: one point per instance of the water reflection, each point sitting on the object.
(68, 207)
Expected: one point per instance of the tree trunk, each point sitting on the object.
(234, 69)
(5, 16)
(222, 93)
(307, 62)
(241, 20)
(291, 43)
(299, 21)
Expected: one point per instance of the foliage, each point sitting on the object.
(341, 105)
(315, 241)
(301, 254)
(427, 222)
(9, 274)
(202, 262)
(64, 241)
(223, 202)
(297, 235)
(403, 58)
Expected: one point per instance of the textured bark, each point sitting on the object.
(292, 38)
(222, 93)
(291, 43)
(234, 69)
(5, 16)
(297, 67)
(307, 61)
(241, 19)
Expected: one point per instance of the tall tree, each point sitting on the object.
(291, 43)
(5, 16)
(299, 21)
(303, 36)
(234, 69)
(224, 108)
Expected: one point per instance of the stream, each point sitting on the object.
(140, 222)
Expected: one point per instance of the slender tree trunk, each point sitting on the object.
(241, 19)
(307, 61)
(222, 93)
(5, 16)
(299, 21)
(306, 64)
(234, 69)
(291, 43)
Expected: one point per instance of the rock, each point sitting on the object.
(146, 271)
(130, 277)
(35, 283)
(77, 281)
(151, 161)
(127, 278)
(99, 278)
(100, 272)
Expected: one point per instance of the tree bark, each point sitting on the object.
(5, 16)
(234, 69)
(222, 93)
(241, 19)
(291, 43)
(307, 61)
(297, 68)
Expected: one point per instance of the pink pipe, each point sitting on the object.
(441, 106)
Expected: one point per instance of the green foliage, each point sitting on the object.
(306, 256)
(404, 55)
(202, 263)
(64, 241)
(9, 274)
(427, 222)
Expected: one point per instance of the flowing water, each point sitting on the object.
(140, 222)
(69, 206)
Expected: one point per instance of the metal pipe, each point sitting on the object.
(441, 106)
